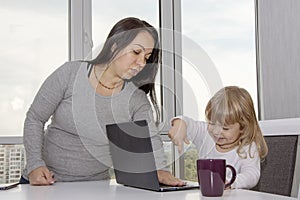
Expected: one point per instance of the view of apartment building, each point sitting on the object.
(12, 161)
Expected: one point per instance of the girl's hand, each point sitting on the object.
(41, 176)
(178, 134)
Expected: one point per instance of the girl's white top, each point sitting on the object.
(247, 169)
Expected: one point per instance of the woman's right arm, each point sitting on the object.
(45, 102)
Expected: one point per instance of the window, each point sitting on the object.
(34, 42)
(225, 31)
(223, 34)
(104, 17)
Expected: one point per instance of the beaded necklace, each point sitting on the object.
(103, 85)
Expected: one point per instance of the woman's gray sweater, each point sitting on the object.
(74, 145)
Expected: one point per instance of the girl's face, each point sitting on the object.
(226, 134)
(132, 59)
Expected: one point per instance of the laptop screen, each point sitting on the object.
(132, 154)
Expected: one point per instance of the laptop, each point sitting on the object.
(133, 159)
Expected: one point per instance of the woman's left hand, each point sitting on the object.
(167, 178)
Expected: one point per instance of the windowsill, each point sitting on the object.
(277, 127)
(288, 126)
(11, 140)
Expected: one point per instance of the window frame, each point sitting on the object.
(80, 47)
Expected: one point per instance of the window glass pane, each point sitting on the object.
(223, 32)
(169, 155)
(190, 169)
(104, 17)
(34, 42)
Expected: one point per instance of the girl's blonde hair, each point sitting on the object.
(234, 105)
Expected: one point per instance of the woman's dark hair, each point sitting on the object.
(120, 36)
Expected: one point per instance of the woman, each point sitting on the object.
(83, 97)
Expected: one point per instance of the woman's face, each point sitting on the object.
(132, 59)
(224, 134)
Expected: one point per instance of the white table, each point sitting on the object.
(111, 190)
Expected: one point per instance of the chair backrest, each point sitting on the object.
(277, 170)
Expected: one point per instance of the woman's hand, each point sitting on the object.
(167, 178)
(41, 176)
(177, 133)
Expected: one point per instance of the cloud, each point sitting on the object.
(17, 104)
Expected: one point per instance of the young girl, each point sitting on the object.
(232, 133)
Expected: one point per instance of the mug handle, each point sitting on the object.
(233, 176)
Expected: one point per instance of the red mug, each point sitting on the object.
(212, 176)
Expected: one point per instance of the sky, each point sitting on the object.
(225, 31)
(34, 42)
